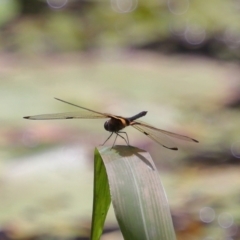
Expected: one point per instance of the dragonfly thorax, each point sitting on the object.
(115, 125)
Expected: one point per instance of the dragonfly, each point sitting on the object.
(115, 124)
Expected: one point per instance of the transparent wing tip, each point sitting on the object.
(30, 118)
(171, 148)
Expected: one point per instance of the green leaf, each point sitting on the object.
(101, 197)
(138, 197)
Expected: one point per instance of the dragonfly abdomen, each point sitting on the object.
(141, 114)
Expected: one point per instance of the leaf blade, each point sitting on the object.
(138, 197)
(101, 197)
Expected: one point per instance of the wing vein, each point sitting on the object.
(152, 136)
(171, 134)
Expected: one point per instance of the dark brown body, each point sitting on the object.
(117, 123)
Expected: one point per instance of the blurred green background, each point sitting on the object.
(178, 60)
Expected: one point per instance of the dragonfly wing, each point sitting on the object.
(83, 108)
(159, 139)
(84, 113)
(68, 115)
(157, 131)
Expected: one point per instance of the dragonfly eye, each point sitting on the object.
(106, 126)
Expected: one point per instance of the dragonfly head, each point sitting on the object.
(106, 126)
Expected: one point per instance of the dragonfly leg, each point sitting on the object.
(115, 139)
(108, 138)
(117, 134)
(127, 141)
